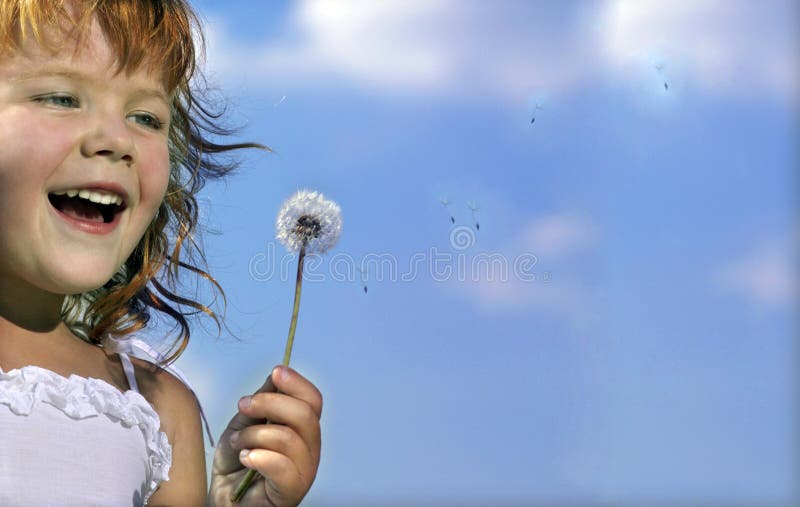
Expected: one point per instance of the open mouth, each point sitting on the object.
(86, 205)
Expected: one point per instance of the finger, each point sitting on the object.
(279, 408)
(227, 459)
(242, 420)
(268, 386)
(282, 478)
(288, 381)
(281, 439)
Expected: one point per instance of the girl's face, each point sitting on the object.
(69, 122)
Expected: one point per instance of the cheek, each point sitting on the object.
(153, 175)
(24, 158)
(154, 178)
(26, 164)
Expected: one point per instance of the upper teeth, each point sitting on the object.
(100, 197)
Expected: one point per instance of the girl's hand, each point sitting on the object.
(285, 451)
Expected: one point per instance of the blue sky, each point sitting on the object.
(646, 351)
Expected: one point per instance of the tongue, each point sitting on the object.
(81, 210)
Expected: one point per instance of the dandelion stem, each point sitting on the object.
(293, 324)
(242, 487)
(250, 476)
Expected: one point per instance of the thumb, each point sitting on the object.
(226, 459)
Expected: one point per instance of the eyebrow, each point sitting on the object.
(77, 76)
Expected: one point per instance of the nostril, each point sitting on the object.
(113, 154)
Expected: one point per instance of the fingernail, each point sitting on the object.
(234, 437)
(243, 454)
(245, 402)
(281, 372)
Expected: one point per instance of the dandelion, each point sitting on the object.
(307, 223)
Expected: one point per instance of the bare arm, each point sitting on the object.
(180, 419)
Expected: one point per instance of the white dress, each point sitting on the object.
(78, 442)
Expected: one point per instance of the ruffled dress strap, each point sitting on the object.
(127, 365)
(140, 349)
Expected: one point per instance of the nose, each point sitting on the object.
(108, 136)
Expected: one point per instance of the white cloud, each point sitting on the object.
(724, 47)
(766, 277)
(550, 292)
(475, 51)
(549, 278)
(392, 43)
(372, 44)
(559, 234)
(446, 48)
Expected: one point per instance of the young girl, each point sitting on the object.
(104, 146)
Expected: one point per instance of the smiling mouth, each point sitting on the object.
(81, 208)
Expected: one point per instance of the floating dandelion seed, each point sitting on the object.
(445, 203)
(659, 67)
(538, 107)
(473, 208)
(364, 280)
(307, 223)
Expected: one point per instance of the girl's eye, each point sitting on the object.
(60, 100)
(148, 120)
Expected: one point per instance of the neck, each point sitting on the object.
(25, 309)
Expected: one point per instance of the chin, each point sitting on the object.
(78, 281)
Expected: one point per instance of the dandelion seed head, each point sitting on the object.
(308, 218)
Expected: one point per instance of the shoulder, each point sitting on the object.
(179, 413)
(170, 397)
